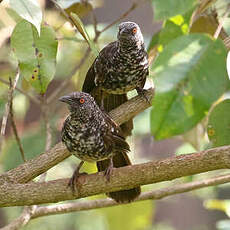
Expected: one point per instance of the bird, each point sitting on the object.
(120, 67)
(91, 135)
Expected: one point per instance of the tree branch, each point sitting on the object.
(13, 124)
(153, 195)
(141, 174)
(22, 220)
(7, 110)
(124, 15)
(15, 193)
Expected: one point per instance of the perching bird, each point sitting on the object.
(120, 67)
(91, 135)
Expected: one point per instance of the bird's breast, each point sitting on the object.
(85, 142)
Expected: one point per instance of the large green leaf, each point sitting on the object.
(36, 55)
(219, 124)
(171, 29)
(168, 8)
(29, 10)
(189, 75)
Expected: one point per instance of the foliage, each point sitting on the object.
(36, 54)
(184, 75)
(188, 71)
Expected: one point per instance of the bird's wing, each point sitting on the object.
(98, 68)
(114, 136)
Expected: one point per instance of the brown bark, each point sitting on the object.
(151, 172)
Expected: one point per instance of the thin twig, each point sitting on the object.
(4, 119)
(33, 99)
(62, 11)
(22, 220)
(7, 107)
(218, 30)
(13, 124)
(96, 31)
(134, 6)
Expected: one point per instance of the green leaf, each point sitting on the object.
(219, 124)
(36, 55)
(30, 10)
(171, 29)
(189, 75)
(168, 8)
(84, 33)
(169, 32)
(80, 8)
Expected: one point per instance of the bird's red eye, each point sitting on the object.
(82, 100)
(134, 30)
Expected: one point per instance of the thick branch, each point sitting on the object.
(33, 168)
(153, 195)
(147, 173)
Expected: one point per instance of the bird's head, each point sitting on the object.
(80, 104)
(129, 35)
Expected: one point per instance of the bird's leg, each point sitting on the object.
(109, 169)
(141, 92)
(102, 101)
(73, 181)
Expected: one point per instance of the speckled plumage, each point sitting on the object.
(122, 65)
(87, 130)
(91, 135)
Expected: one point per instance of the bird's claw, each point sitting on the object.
(108, 172)
(73, 182)
(141, 92)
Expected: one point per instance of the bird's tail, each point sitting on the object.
(119, 160)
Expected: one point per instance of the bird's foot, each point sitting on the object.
(73, 182)
(141, 92)
(109, 170)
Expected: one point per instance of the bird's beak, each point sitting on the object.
(122, 31)
(65, 99)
